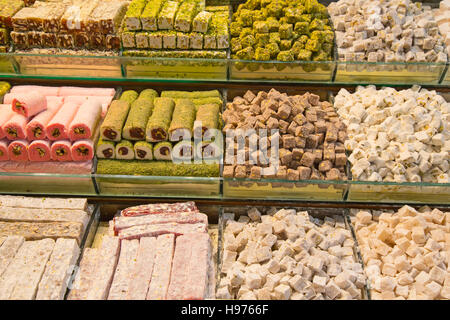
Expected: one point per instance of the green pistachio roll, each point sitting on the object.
(163, 151)
(207, 118)
(129, 96)
(159, 122)
(182, 120)
(105, 149)
(140, 112)
(124, 150)
(111, 128)
(143, 150)
(148, 94)
(183, 151)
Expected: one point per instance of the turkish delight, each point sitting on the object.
(141, 40)
(111, 128)
(182, 120)
(20, 39)
(14, 128)
(58, 127)
(169, 39)
(29, 104)
(82, 40)
(201, 22)
(82, 150)
(155, 40)
(185, 15)
(129, 96)
(39, 150)
(124, 150)
(163, 151)
(207, 118)
(85, 121)
(4, 154)
(61, 151)
(140, 111)
(143, 150)
(166, 17)
(132, 21)
(36, 128)
(159, 122)
(20, 19)
(149, 17)
(7, 10)
(65, 41)
(196, 40)
(105, 149)
(6, 114)
(18, 150)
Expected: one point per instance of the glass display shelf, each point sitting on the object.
(274, 189)
(389, 72)
(148, 69)
(158, 186)
(47, 183)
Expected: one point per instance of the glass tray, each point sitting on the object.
(389, 72)
(234, 212)
(446, 79)
(175, 68)
(69, 66)
(47, 184)
(282, 71)
(153, 186)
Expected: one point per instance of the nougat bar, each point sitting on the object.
(20, 39)
(209, 39)
(128, 39)
(36, 19)
(169, 39)
(132, 21)
(220, 22)
(111, 128)
(166, 17)
(20, 20)
(155, 40)
(76, 16)
(149, 17)
(8, 8)
(48, 40)
(65, 40)
(52, 20)
(182, 41)
(82, 40)
(185, 15)
(142, 40)
(112, 42)
(97, 41)
(34, 39)
(196, 40)
(107, 16)
(202, 21)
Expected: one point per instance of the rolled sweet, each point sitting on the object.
(58, 126)
(18, 150)
(39, 150)
(129, 96)
(190, 94)
(209, 100)
(159, 122)
(183, 151)
(44, 90)
(5, 115)
(207, 118)
(85, 120)
(8, 98)
(29, 104)
(140, 112)
(61, 151)
(143, 150)
(182, 120)
(79, 91)
(124, 150)
(82, 150)
(163, 151)
(209, 150)
(111, 128)
(106, 149)
(36, 128)
(105, 101)
(15, 128)
(4, 154)
(148, 94)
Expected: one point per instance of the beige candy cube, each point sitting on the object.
(319, 283)
(364, 217)
(254, 214)
(437, 274)
(433, 290)
(418, 235)
(388, 284)
(402, 264)
(297, 283)
(283, 292)
(389, 269)
(263, 253)
(253, 281)
(263, 294)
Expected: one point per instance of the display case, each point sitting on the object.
(389, 72)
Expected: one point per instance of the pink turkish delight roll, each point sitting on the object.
(44, 90)
(82, 150)
(8, 98)
(18, 150)
(5, 114)
(4, 154)
(58, 127)
(61, 150)
(36, 128)
(15, 128)
(105, 101)
(85, 121)
(79, 91)
(39, 150)
(29, 104)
